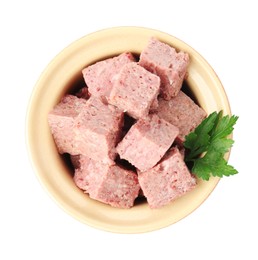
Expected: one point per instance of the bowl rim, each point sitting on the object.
(29, 124)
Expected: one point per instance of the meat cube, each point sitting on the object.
(61, 121)
(167, 181)
(182, 112)
(89, 171)
(135, 89)
(163, 60)
(98, 128)
(99, 76)
(110, 184)
(147, 141)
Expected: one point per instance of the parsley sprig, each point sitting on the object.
(211, 138)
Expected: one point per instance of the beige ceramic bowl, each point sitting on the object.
(61, 76)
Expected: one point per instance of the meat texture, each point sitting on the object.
(98, 129)
(135, 90)
(164, 61)
(147, 141)
(182, 112)
(110, 184)
(61, 121)
(167, 181)
(99, 76)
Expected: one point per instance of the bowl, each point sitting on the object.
(63, 75)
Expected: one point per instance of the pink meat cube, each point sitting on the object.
(135, 89)
(182, 112)
(147, 141)
(61, 121)
(167, 181)
(98, 128)
(99, 76)
(163, 60)
(110, 184)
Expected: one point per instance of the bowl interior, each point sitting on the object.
(63, 75)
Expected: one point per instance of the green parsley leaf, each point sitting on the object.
(222, 145)
(198, 141)
(211, 138)
(212, 163)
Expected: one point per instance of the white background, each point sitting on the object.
(32, 226)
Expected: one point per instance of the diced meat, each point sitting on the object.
(98, 129)
(119, 189)
(171, 66)
(167, 181)
(147, 141)
(135, 89)
(110, 184)
(118, 129)
(89, 173)
(61, 122)
(83, 93)
(99, 76)
(182, 112)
